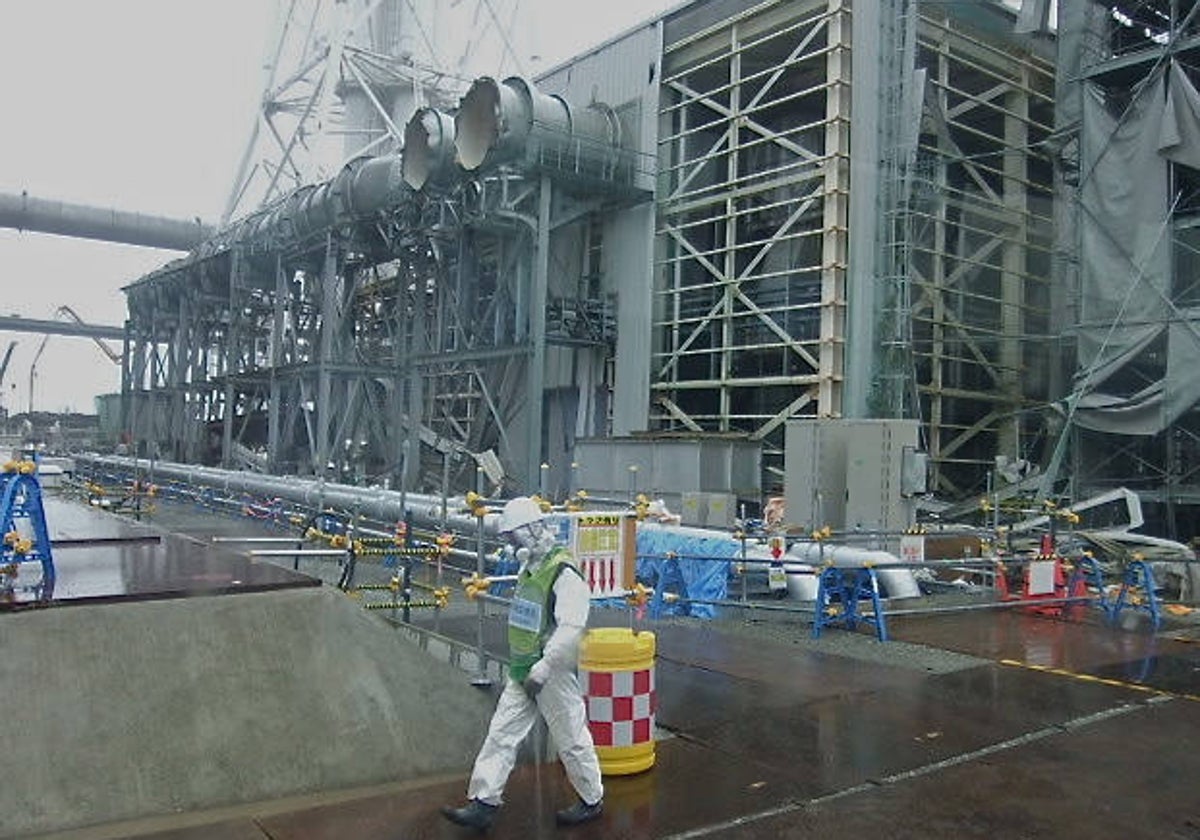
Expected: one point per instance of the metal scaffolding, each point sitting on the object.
(354, 328)
(754, 180)
(981, 246)
(341, 78)
(358, 331)
(755, 177)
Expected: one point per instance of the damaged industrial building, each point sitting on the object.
(727, 218)
(875, 316)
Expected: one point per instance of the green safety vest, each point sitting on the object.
(531, 616)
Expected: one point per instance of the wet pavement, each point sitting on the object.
(1040, 727)
(99, 558)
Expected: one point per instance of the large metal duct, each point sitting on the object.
(364, 186)
(498, 122)
(381, 505)
(367, 185)
(24, 212)
(428, 147)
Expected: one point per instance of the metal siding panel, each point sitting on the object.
(676, 466)
(622, 74)
(715, 457)
(802, 481)
(614, 73)
(745, 473)
(617, 74)
(595, 467)
(629, 239)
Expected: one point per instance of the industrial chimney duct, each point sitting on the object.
(501, 122)
(428, 147)
(364, 186)
(26, 212)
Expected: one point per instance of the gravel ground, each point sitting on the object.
(796, 629)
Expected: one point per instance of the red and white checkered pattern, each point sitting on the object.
(620, 706)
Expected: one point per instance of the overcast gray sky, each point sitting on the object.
(146, 105)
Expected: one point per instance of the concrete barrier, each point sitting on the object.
(128, 710)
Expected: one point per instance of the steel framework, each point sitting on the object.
(350, 328)
(341, 78)
(360, 330)
(755, 175)
(754, 146)
(982, 242)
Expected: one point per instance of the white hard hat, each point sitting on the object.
(517, 512)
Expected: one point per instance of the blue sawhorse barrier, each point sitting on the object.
(21, 502)
(848, 586)
(1137, 574)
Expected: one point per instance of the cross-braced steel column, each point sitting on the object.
(979, 265)
(750, 309)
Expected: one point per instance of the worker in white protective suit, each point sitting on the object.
(546, 621)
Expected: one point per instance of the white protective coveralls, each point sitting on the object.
(560, 700)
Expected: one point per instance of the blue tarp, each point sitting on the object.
(699, 568)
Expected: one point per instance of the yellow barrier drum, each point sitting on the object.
(616, 670)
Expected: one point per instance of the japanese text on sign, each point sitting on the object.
(598, 552)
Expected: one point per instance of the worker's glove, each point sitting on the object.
(522, 557)
(538, 675)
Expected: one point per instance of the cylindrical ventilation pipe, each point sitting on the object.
(24, 212)
(499, 122)
(428, 147)
(362, 188)
(379, 504)
(367, 185)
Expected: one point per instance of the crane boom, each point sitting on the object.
(113, 356)
(3, 369)
(7, 356)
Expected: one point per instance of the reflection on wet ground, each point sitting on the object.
(101, 558)
(765, 740)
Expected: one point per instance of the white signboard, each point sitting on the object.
(604, 545)
(912, 548)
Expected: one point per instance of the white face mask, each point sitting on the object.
(531, 542)
(522, 537)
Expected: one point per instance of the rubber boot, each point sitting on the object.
(475, 814)
(580, 812)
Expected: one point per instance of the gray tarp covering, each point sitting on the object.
(1180, 137)
(1125, 255)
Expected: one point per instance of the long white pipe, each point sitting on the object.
(377, 503)
(385, 506)
(899, 583)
